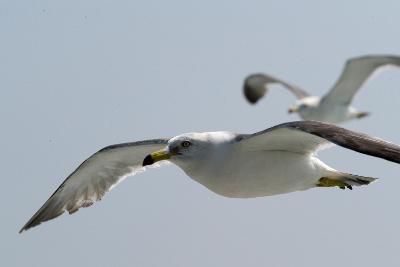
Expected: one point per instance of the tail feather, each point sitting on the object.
(355, 180)
(344, 180)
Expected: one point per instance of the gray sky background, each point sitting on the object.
(79, 75)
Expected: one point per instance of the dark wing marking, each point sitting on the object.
(317, 132)
(356, 141)
(256, 86)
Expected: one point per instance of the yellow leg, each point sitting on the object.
(329, 182)
(361, 114)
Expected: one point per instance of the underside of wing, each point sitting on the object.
(94, 177)
(257, 85)
(355, 73)
(309, 136)
(283, 138)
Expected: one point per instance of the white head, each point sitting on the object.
(305, 106)
(183, 149)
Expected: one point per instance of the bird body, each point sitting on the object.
(311, 108)
(278, 160)
(237, 178)
(335, 106)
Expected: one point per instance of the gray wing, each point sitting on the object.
(256, 86)
(94, 177)
(355, 73)
(310, 136)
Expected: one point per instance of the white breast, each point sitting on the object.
(260, 173)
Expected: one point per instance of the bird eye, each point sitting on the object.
(186, 144)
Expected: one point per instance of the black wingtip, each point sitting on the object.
(251, 97)
(148, 160)
(26, 227)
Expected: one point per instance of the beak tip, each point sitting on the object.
(148, 160)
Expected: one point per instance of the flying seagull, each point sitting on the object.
(275, 161)
(335, 106)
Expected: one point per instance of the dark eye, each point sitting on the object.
(186, 144)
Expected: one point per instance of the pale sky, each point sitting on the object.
(80, 75)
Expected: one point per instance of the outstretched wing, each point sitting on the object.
(94, 177)
(256, 86)
(355, 73)
(309, 136)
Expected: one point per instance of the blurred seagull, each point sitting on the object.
(278, 160)
(335, 106)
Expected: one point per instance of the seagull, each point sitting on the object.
(278, 160)
(335, 106)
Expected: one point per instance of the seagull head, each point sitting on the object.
(183, 149)
(304, 105)
(297, 108)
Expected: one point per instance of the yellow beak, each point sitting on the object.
(293, 109)
(157, 156)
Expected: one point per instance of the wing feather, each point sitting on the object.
(256, 86)
(283, 138)
(355, 73)
(94, 177)
(309, 136)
